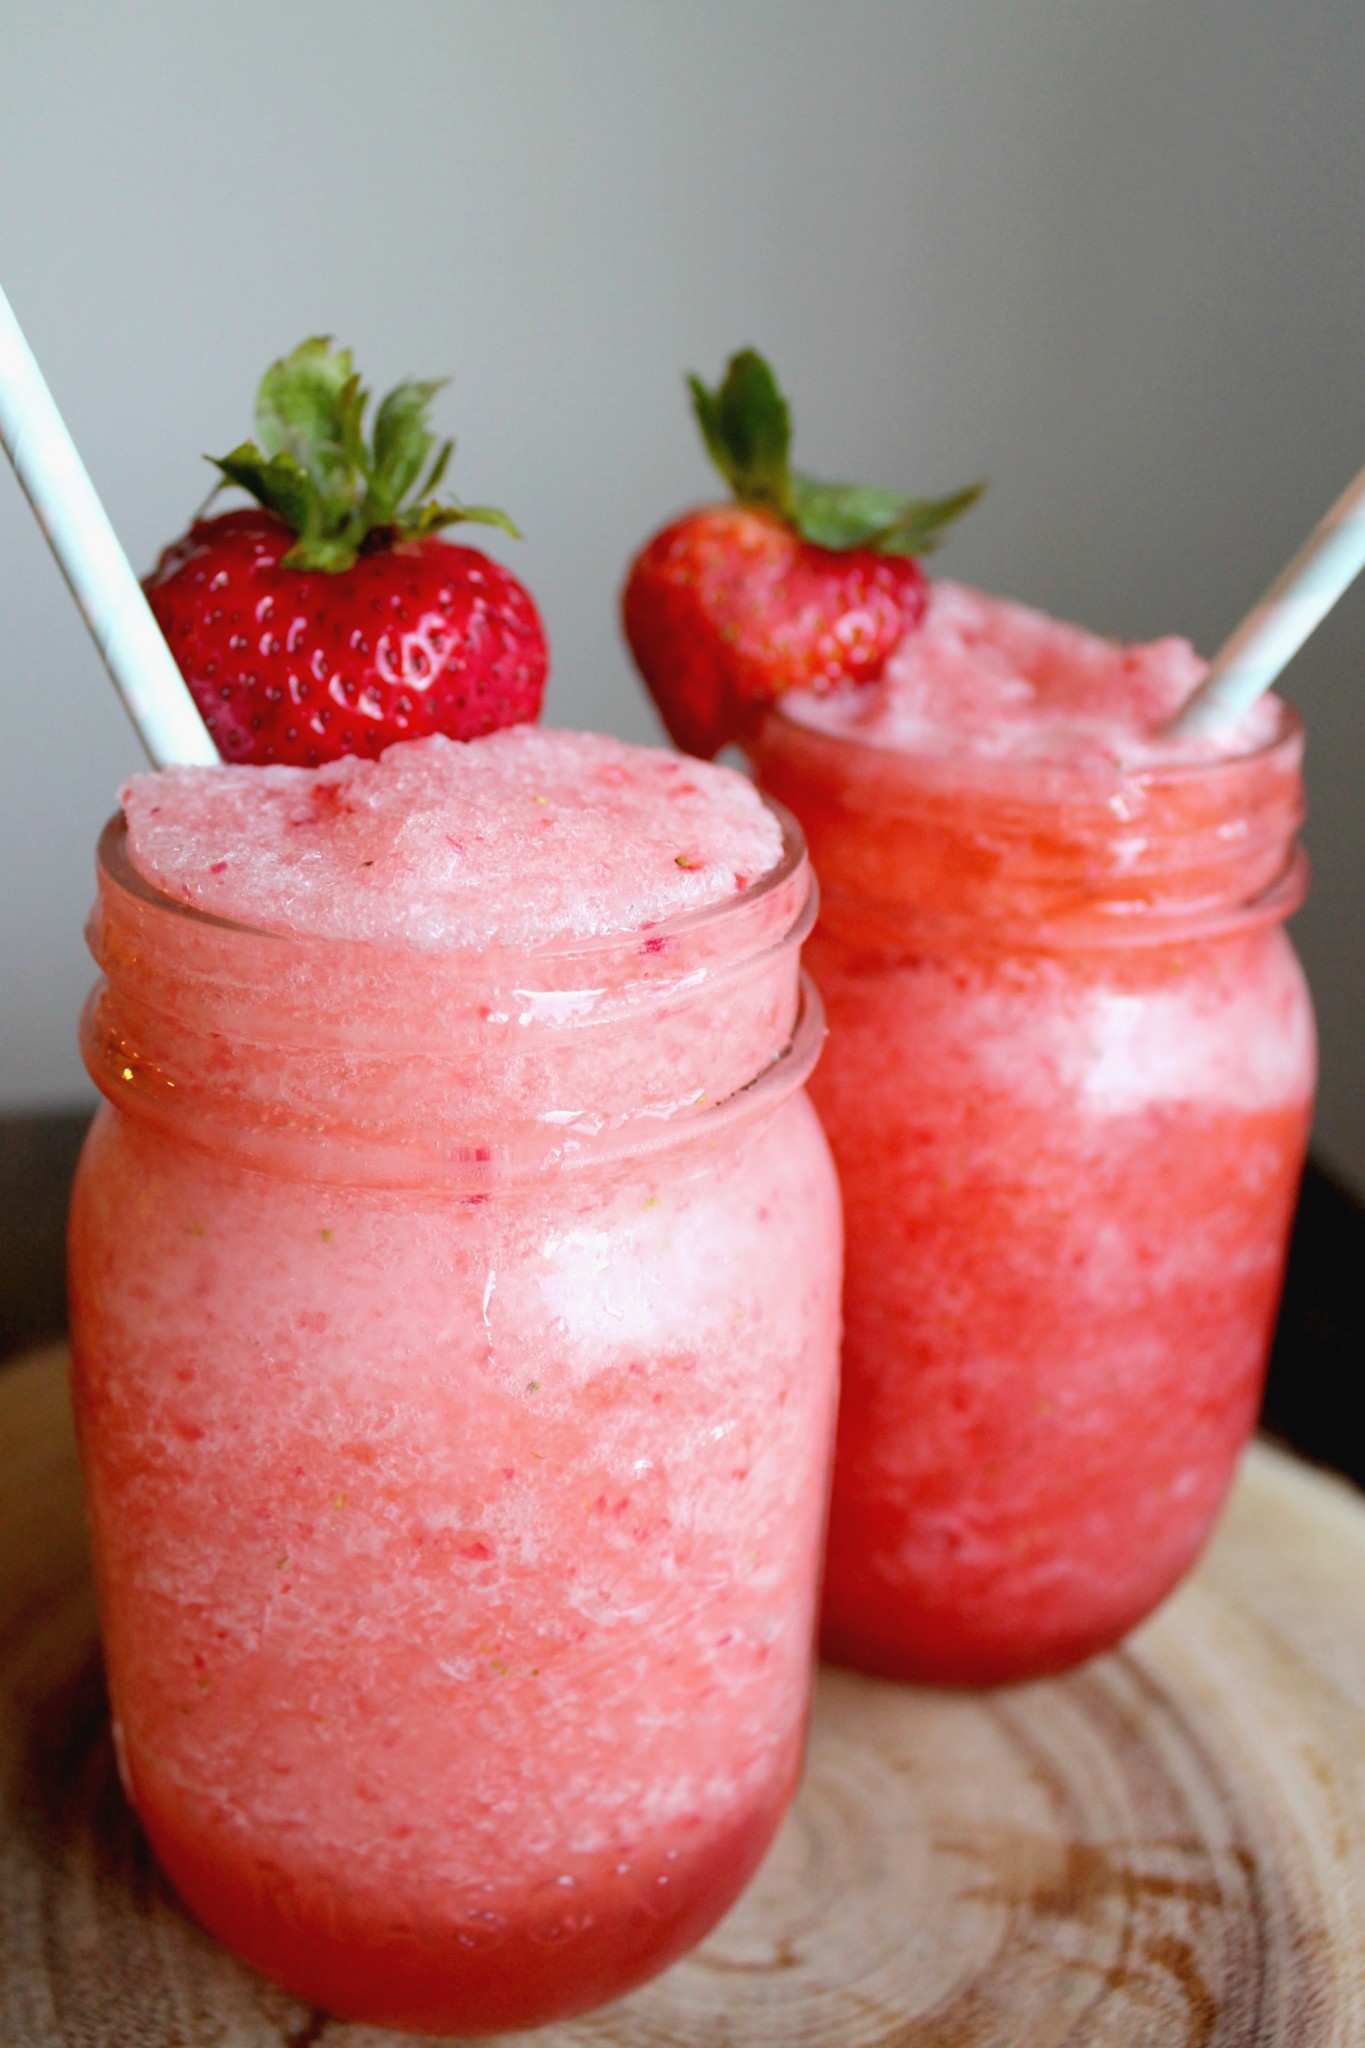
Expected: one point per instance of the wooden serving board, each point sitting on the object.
(1165, 1848)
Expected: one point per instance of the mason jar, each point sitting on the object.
(455, 1340)
(1067, 1086)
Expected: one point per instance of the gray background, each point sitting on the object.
(1109, 252)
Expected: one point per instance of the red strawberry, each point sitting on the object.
(798, 583)
(332, 619)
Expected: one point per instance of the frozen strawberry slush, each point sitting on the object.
(524, 836)
(1067, 1085)
(455, 1290)
(986, 679)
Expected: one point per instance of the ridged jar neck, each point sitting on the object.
(407, 1060)
(1053, 856)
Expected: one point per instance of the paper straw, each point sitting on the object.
(87, 549)
(1272, 633)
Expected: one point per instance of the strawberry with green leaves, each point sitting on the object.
(332, 617)
(795, 584)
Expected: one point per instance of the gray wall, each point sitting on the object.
(1109, 252)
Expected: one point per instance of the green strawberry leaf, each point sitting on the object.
(320, 551)
(746, 425)
(311, 463)
(861, 516)
(402, 443)
(430, 518)
(437, 470)
(296, 401)
(278, 483)
(309, 406)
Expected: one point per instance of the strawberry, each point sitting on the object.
(331, 618)
(796, 584)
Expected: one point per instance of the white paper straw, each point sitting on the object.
(87, 548)
(1272, 633)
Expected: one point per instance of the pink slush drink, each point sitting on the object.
(1068, 1086)
(455, 1274)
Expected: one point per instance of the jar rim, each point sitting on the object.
(1049, 855)
(476, 1168)
(1021, 776)
(114, 862)
(474, 1044)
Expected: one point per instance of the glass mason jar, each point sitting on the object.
(1067, 1086)
(455, 1354)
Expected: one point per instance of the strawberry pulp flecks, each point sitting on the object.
(332, 618)
(796, 583)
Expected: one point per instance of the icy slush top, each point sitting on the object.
(523, 835)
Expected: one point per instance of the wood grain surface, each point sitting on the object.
(1165, 1848)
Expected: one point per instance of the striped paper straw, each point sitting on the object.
(102, 582)
(1272, 633)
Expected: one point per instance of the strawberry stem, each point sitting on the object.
(312, 465)
(746, 425)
